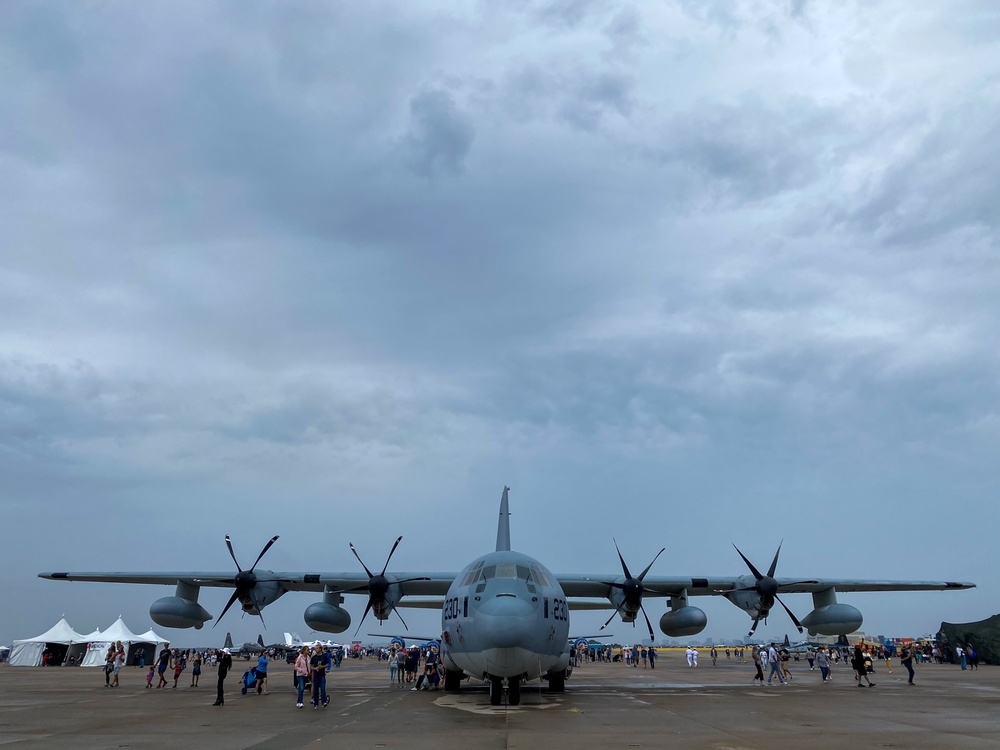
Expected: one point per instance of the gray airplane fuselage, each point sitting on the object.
(505, 615)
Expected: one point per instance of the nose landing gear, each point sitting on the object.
(513, 691)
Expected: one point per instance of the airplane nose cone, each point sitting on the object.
(505, 621)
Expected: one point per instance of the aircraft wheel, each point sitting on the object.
(557, 681)
(453, 680)
(514, 692)
(496, 691)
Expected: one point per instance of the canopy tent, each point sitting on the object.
(148, 644)
(57, 641)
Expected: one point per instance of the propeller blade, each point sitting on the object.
(624, 566)
(612, 584)
(394, 545)
(229, 604)
(232, 554)
(400, 618)
(794, 618)
(756, 573)
(354, 590)
(643, 573)
(266, 548)
(370, 574)
(367, 610)
(648, 623)
(253, 598)
(774, 562)
(754, 626)
(619, 609)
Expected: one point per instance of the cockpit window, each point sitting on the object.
(473, 575)
(540, 577)
(528, 574)
(507, 570)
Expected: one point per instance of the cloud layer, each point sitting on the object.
(681, 273)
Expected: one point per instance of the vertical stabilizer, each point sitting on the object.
(260, 639)
(229, 640)
(503, 527)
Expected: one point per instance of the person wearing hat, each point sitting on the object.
(225, 664)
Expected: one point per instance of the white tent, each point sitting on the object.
(57, 640)
(97, 646)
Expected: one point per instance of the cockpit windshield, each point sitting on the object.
(510, 571)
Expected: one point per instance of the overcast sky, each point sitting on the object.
(684, 274)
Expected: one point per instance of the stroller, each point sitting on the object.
(249, 679)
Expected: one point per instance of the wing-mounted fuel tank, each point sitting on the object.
(830, 618)
(683, 619)
(180, 610)
(328, 616)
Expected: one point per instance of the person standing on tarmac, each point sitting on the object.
(318, 664)
(906, 659)
(225, 664)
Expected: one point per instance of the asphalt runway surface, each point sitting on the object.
(604, 706)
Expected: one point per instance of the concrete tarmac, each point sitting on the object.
(604, 706)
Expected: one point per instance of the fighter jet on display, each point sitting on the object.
(247, 647)
(505, 617)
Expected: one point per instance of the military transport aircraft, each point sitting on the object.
(505, 617)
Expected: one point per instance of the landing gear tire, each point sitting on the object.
(496, 691)
(453, 680)
(557, 681)
(513, 692)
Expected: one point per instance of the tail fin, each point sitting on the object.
(260, 639)
(229, 640)
(503, 527)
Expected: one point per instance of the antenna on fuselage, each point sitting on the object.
(503, 527)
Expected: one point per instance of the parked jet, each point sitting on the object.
(505, 617)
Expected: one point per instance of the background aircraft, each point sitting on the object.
(505, 616)
(247, 647)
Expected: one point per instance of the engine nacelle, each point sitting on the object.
(178, 612)
(833, 619)
(327, 618)
(683, 621)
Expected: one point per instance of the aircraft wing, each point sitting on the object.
(796, 586)
(221, 580)
(596, 585)
(436, 583)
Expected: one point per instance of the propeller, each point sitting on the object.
(245, 581)
(378, 585)
(767, 587)
(632, 590)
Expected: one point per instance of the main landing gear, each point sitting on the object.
(557, 681)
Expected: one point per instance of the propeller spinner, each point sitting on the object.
(245, 581)
(378, 586)
(767, 587)
(632, 591)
